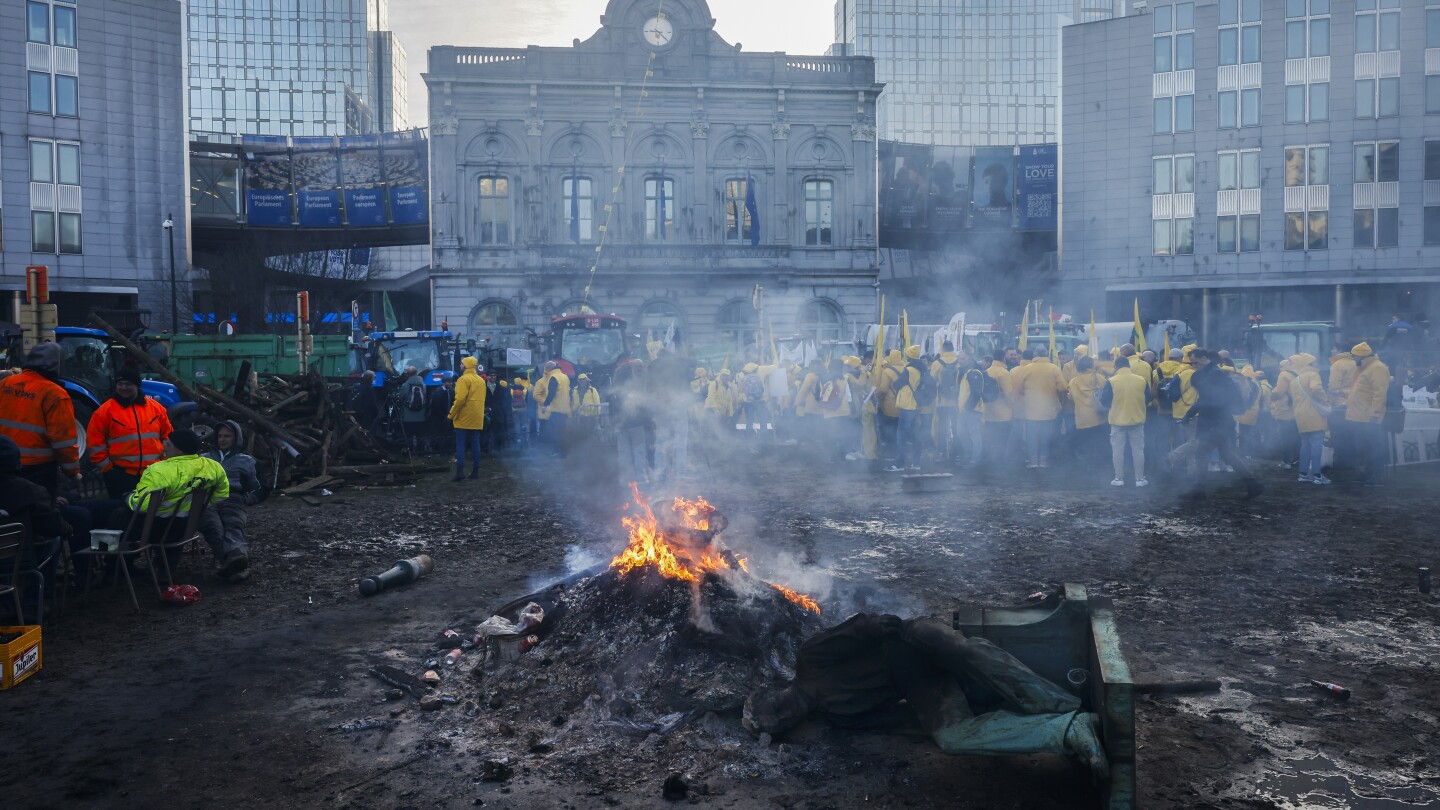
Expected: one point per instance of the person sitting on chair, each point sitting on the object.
(223, 524)
(173, 481)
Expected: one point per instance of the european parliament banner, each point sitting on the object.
(409, 205)
(268, 189)
(316, 168)
(992, 185)
(363, 179)
(1039, 178)
(406, 173)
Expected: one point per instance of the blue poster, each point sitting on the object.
(409, 205)
(267, 207)
(365, 207)
(992, 186)
(1038, 203)
(320, 209)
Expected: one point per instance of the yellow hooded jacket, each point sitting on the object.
(1084, 388)
(1367, 396)
(1040, 390)
(555, 381)
(1307, 394)
(1343, 372)
(467, 412)
(999, 409)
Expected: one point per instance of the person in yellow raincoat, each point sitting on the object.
(467, 417)
(1249, 419)
(1039, 392)
(1084, 389)
(1287, 435)
(552, 399)
(1343, 372)
(1365, 413)
(911, 423)
(585, 408)
(1311, 406)
(720, 401)
(999, 411)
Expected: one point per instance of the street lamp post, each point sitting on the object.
(174, 309)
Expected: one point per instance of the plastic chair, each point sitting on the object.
(14, 537)
(137, 537)
(198, 497)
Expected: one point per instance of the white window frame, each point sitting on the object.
(823, 220)
(54, 197)
(1377, 9)
(1239, 27)
(1170, 207)
(734, 190)
(1238, 201)
(1374, 194)
(587, 207)
(498, 202)
(1308, 199)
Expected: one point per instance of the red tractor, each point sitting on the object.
(590, 344)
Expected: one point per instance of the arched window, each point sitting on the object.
(492, 210)
(657, 317)
(497, 321)
(821, 321)
(739, 328)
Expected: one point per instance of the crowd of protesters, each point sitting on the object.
(1182, 417)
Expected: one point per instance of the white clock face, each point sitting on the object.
(658, 32)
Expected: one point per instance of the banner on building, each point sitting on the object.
(992, 183)
(363, 177)
(1039, 196)
(268, 188)
(407, 174)
(316, 169)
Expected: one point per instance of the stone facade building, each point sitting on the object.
(661, 169)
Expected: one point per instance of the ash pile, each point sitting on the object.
(656, 651)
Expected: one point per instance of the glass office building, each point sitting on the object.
(965, 73)
(294, 67)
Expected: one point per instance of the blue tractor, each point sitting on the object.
(390, 353)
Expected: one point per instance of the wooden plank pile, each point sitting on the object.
(303, 443)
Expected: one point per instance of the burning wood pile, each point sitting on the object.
(673, 634)
(301, 440)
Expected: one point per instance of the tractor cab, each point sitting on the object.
(390, 353)
(590, 344)
(89, 362)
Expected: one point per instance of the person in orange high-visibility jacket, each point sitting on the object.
(37, 414)
(127, 434)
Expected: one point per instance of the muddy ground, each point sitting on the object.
(242, 698)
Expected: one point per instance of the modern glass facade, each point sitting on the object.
(965, 73)
(294, 67)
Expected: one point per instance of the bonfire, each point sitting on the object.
(676, 625)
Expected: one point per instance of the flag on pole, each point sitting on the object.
(1094, 338)
(660, 208)
(752, 210)
(904, 330)
(1139, 330)
(391, 323)
(875, 374)
(1054, 355)
(574, 205)
(1025, 328)
(1166, 356)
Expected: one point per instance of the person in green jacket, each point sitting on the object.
(174, 481)
(467, 414)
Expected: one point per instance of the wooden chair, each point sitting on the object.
(13, 539)
(197, 495)
(135, 542)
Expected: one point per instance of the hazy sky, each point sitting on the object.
(795, 26)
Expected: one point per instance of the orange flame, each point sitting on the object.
(650, 547)
(798, 598)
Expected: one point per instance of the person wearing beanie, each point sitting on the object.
(1365, 412)
(174, 480)
(40, 419)
(223, 524)
(467, 415)
(126, 434)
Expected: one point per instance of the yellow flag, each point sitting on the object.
(1094, 338)
(726, 365)
(904, 330)
(1054, 355)
(774, 353)
(1167, 346)
(1025, 328)
(1139, 330)
(875, 374)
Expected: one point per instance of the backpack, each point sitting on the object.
(1171, 390)
(924, 392)
(1249, 392)
(517, 398)
(754, 388)
(949, 382)
(832, 395)
(977, 380)
(1234, 398)
(991, 390)
(415, 399)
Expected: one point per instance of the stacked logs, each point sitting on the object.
(303, 441)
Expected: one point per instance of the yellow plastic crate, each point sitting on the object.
(20, 658)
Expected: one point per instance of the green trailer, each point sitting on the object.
(216, 360)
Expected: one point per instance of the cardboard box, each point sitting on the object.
(21, 658)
